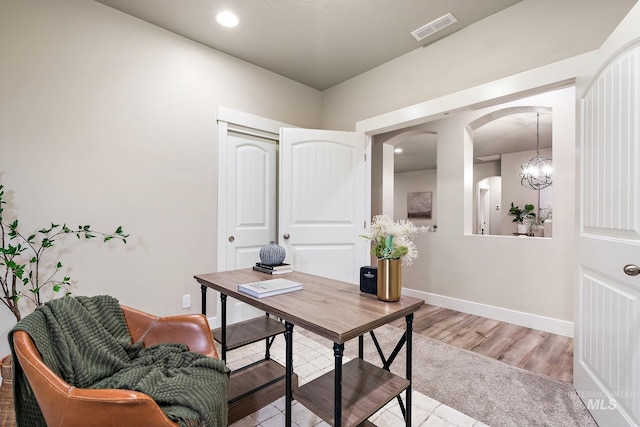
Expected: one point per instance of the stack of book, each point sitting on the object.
(268, 288)
(273, 269)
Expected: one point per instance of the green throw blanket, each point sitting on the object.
(85, 341)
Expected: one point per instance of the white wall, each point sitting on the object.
(110, 121)
(522, 37)
(415, 182)
(495, 273)
(510, 273)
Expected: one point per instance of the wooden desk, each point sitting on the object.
(339, 312)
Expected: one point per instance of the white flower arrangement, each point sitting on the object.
(393, 240)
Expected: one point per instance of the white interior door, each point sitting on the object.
(251, 198)
(607, 336)
(250, 188)
(323, 202)
(247, 199)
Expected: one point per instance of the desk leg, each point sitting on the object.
(223, 325)
(338, 351)
(203, 292)
(288, 336)
(408, 333)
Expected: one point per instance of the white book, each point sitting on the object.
(267, 288)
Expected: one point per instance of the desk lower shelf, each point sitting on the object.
(249, 331)
(255, 386)
(365, 389)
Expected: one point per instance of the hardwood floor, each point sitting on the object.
(536, 351)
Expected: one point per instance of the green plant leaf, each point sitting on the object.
(33, 275)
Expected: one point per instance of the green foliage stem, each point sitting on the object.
(22, 273)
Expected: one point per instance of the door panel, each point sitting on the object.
(610, 312)
(248, 187)
(251, 199)
(322, 202)
(607, 350)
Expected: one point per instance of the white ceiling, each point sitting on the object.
(319, 43)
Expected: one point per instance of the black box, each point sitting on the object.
(369, 279)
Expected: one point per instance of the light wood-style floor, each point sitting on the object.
(536, 351)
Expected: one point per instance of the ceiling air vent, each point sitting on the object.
(433, 26)
(489, 158)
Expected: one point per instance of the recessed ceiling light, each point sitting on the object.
(227, 19)
(398, 150)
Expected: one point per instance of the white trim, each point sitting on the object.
(221, 259)
(552, 76)
(231, 127)
(533, 321)
(248, 120)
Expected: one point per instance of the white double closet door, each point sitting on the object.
(305, 189)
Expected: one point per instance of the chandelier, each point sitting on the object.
(536, 173)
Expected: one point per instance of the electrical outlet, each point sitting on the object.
(186, 301)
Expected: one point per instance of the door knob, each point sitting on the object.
(231, 239)
(286, 236)
(631, 269)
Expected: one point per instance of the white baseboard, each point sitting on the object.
(213, 322)
(533, 321)
(528, 320)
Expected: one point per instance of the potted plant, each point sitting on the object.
(23, 271)
(523, 217)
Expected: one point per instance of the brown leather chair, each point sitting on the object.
(64, 405)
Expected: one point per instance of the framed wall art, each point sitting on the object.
(419, 205)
